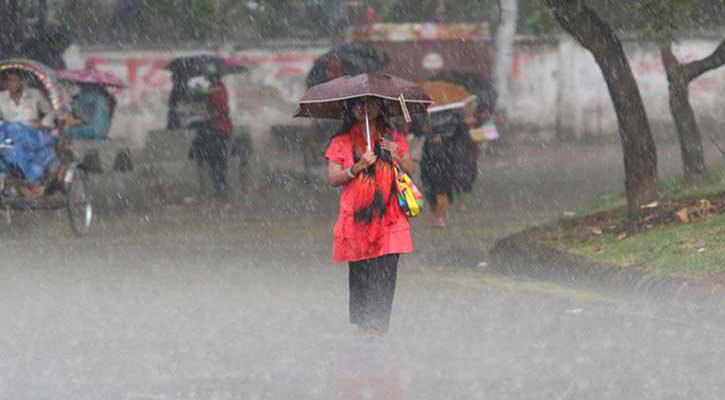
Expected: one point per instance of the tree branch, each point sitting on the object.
(696, 68)
(581, 22)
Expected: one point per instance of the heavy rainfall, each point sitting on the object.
(362, 199)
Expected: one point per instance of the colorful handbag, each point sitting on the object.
(409, 197)
(487, 131)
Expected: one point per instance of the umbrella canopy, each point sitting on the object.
(447, 96)
(348, 59)
(327, 100)
(479, 85)
(192, 66)
(91, 76)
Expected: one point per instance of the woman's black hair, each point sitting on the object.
(349, 120)
(446, 121)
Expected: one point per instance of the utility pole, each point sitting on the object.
(504, 53)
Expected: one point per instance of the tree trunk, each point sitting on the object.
(679, 77)
(504, 53)
(693, 159)
(640, 153)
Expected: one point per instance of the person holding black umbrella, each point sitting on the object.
(212, 141)
(372, 229)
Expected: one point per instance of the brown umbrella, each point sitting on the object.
(327, 100)
(447, 96)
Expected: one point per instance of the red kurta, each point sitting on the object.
(395, 238)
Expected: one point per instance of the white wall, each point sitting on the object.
(264, 96)
(556, 87)
(559, 87)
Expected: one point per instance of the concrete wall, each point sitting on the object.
(557, 88)
(262, 97)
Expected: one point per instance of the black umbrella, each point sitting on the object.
(347, 59)
(327, 100)
(192, 66)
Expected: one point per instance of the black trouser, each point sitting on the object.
(211, 146)
(372, 289)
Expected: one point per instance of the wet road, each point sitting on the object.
(202, 302)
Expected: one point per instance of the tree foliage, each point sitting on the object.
(19, 22)
(167, 21)
(26, 32)
(664, 20)
(200, 20)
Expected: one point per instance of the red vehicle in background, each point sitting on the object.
(428, 51)
(419, 52)
(455, 53)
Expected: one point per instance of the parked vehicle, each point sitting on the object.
(91, 95)
(455, 53)
(68, 189)
(420, 52)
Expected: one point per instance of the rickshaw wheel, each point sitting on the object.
(79, 203)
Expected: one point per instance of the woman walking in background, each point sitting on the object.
(371, 230)
(449, 163)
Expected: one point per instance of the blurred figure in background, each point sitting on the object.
(48, 46)
(449, 163)
(211, 144)
(93, 106)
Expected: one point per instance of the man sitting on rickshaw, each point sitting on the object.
(27, 133)
(21, 104)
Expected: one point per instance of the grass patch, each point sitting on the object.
(677, 249)
(660, 243)
(678, 188)
(674, 188)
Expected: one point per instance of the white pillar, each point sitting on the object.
(504, 53)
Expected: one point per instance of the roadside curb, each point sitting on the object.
(520, 254)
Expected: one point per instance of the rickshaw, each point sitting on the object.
(70, 189)
(94, 97)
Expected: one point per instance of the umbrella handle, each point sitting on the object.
(404, 107)
(367, 129)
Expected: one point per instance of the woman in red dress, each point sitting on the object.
(371, 230)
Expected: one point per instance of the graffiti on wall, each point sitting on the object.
(550, 83)
(149, 82)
